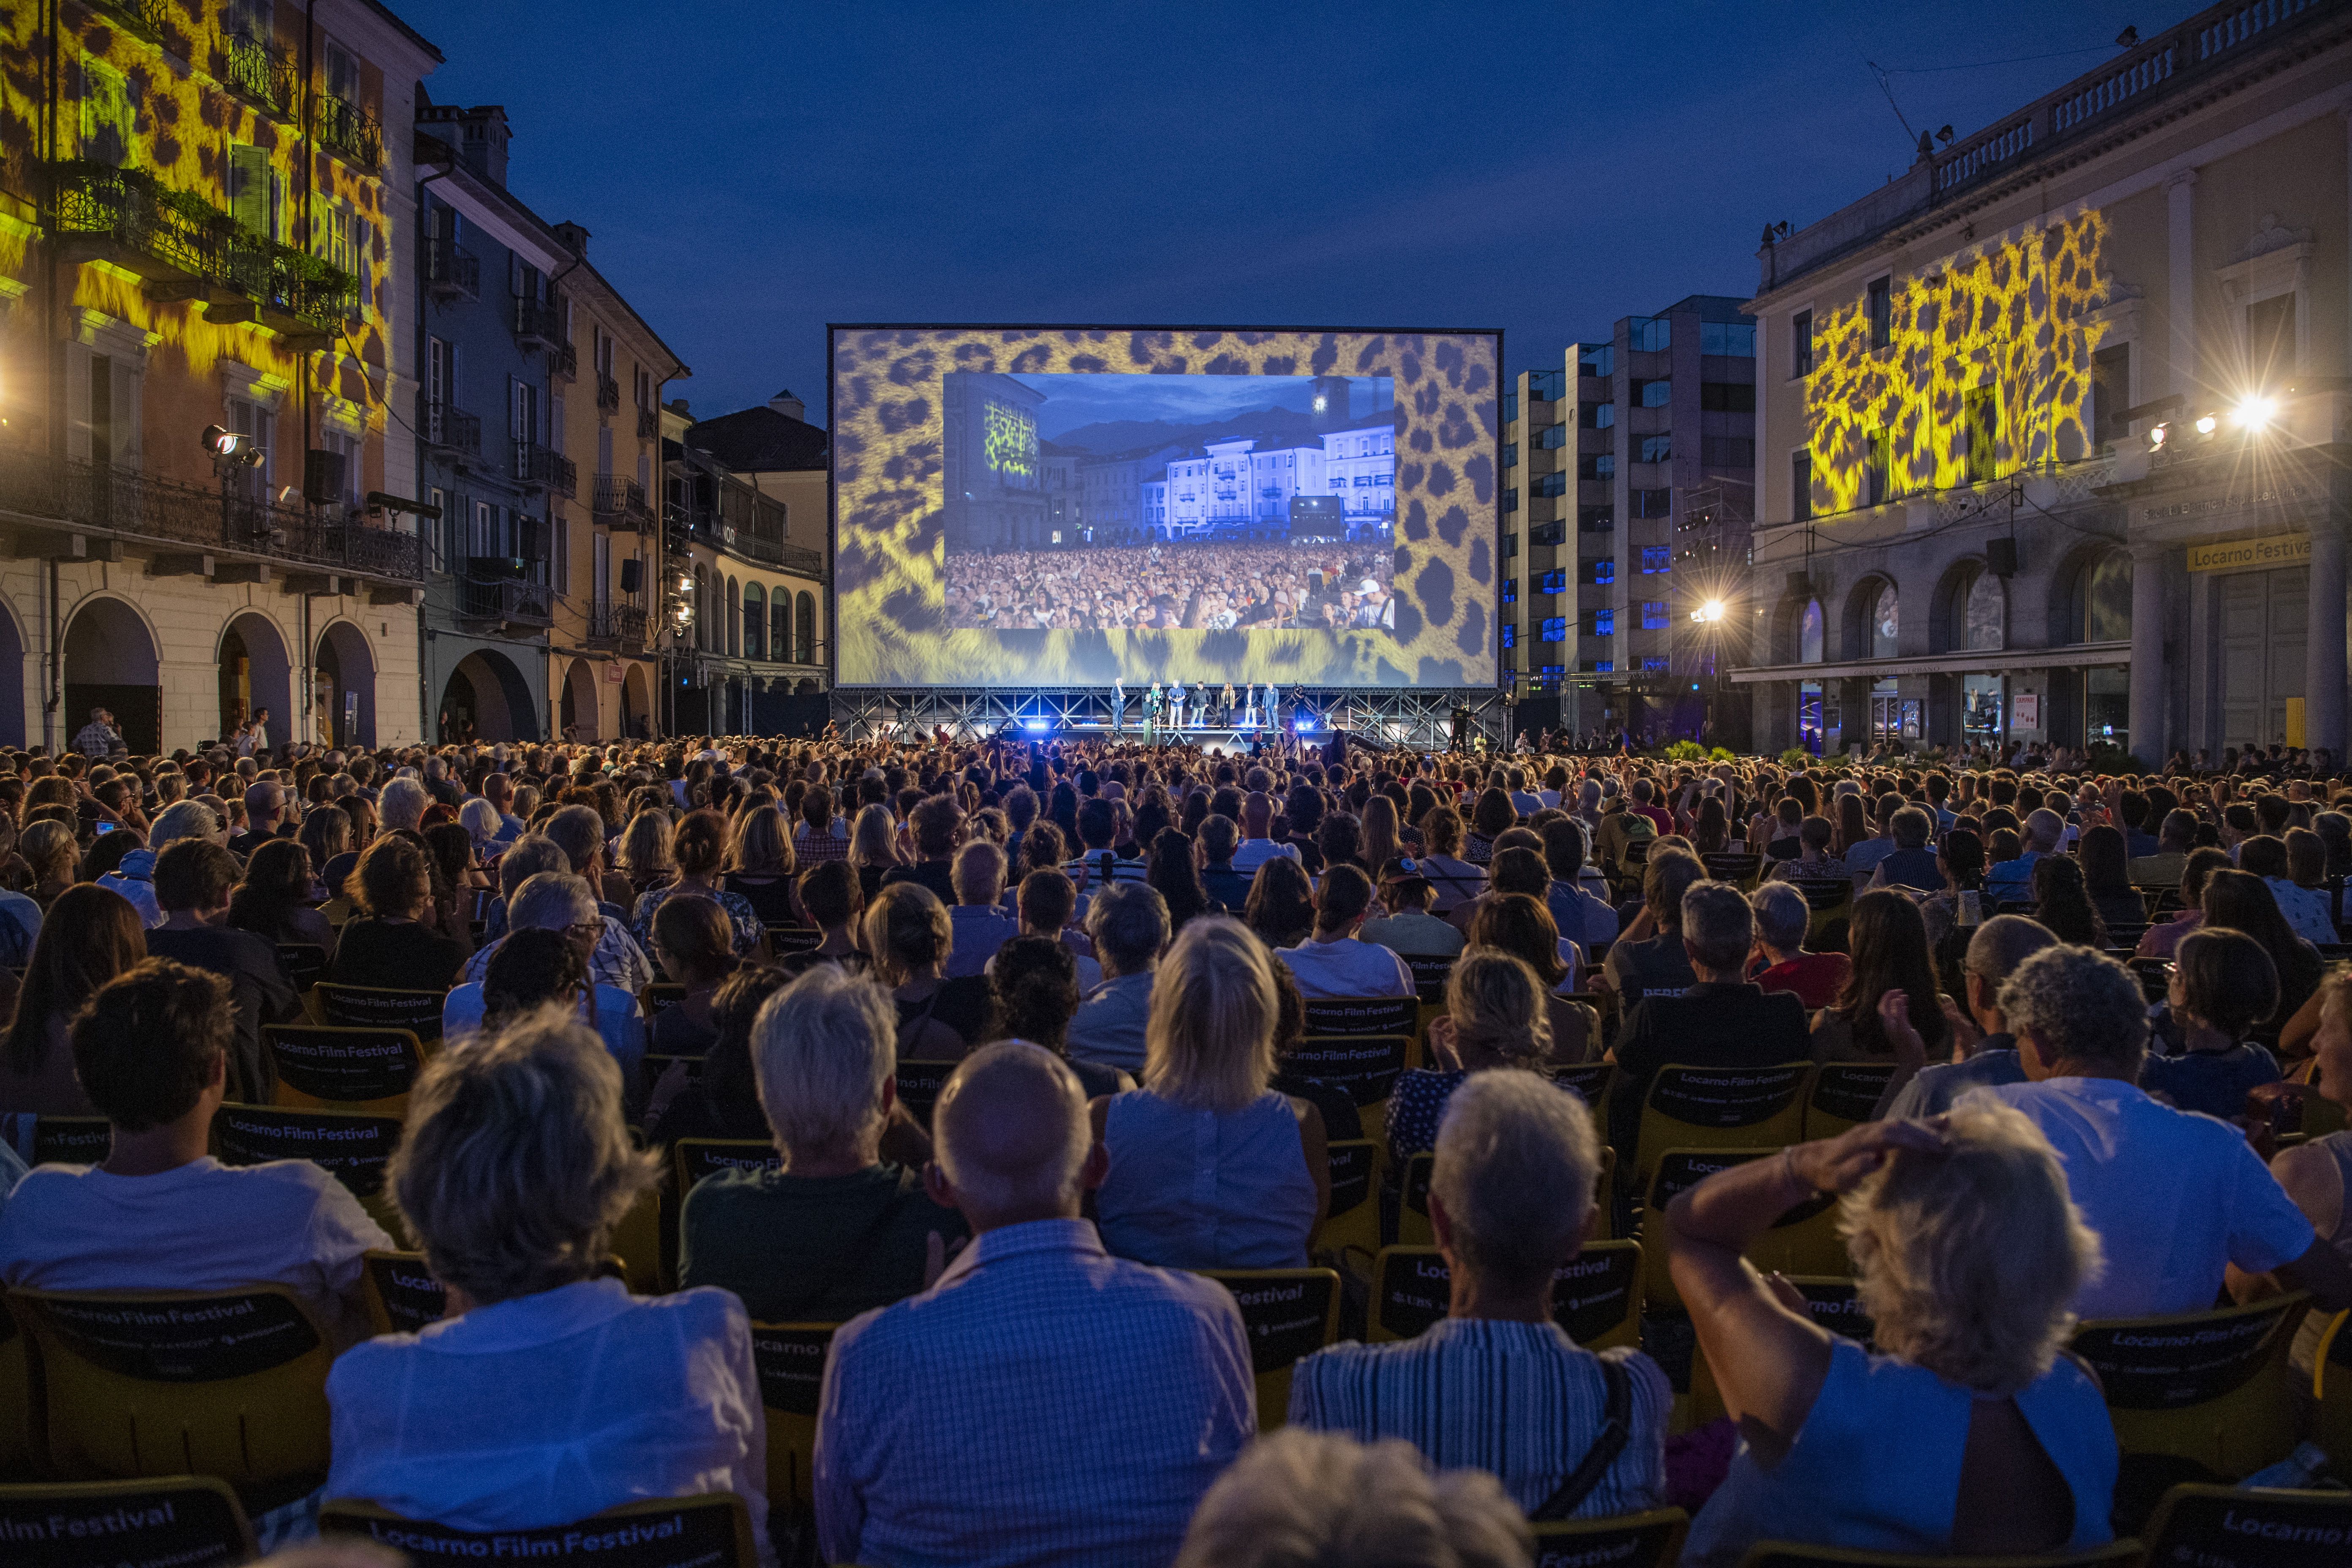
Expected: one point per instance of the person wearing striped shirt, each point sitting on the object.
(1497, 1385)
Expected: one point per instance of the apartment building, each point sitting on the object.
(206, 343)
(2051, 422)
(1629, 482)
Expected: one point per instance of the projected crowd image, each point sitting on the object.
(1169, 503)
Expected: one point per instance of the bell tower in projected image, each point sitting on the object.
(995, 484)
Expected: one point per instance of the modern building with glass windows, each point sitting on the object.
(1628, 484)
(2051, 423)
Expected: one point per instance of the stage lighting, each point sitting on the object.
(2206, 423)
(2156, 437)
(1036, 726)
(1307, 725)
(230, 450)
(1710, 611)
(2254, 413)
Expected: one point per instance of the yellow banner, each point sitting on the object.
(2236, 554)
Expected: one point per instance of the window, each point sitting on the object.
(1511, 499)
(347, 448)
(1653, 394)
(437, 534)
(1879, 306)
(780, 627)
(1652, 503)
(1510, 635)
(107, 123)
(1984, 614)
(1727, 451)
(2110, 394)
(523, 421)
(1601, 667)
(1555, 629)
(1553, 437)
(1809, 634)
(2104, 613)
(245, 419)
(1511, 455)
(1656, 662)
(1510, 590)
(1599, 359)
(2270, 339)
(1547, 534)
(1548, 386)
(1726, 397)
(1654, 615)
(1599, 415)
(1604, 572)
(1510, 545)
(805, 631)
(1596, 519)
(1651, 335)
(1878, 464)
(1981, 417)
(1886, 623)
(1552, 485)
(256, 192)
(1800, 343)
(1600, 466)
(1657, 558)
(1510, 405)
(1605, 623)
(1656, 449)
(1734, 339)
(1553, 581)
(1801, 485)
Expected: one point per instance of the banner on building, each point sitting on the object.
(2244, 554)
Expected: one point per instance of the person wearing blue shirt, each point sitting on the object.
(2011, 881)
(2223, 983)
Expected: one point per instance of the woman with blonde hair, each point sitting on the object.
(1495, 1017)
(874, 847)
(55, 856)
(760, 865)
(1968, 1253)
(645, 857)
(1209, 1167)
(1521, 925)
(513, 1173)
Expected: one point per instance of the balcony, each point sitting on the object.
(144, 17)
(620, 502)
(538, 325)
(493, 592)
(451, 271)
(126, 503)
(448, 433)
(648, 424)
(348, 131)
(563, 360)
(616, 626)
(608, 394)
(542, 468)
(186, 248)
(259, 74)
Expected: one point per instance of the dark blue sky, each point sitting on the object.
(752, 171)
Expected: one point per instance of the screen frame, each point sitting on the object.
(1501, 680)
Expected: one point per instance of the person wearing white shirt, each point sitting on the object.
(2178, 1200)
(1334, 961)
(549, 1392)
(1257, 846)
(160, 1213)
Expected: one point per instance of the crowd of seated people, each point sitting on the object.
(1114, 967)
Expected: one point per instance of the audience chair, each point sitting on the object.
(157, 1383)
(1596, 1295)
(714, 1532)
(1413, 1228)
(1803, 1241)
(1362, 1067)
(326, 1068)
(305, 963)
(1352, 1222)
(354, 1150)
(57, 1140)
(2201, 1395)
(1429, 978)
(2230, 1526)
(1796, 1554)
(1845, 1095)
(2155, 977)
(636, 1243)
(16, 1425)
(2331, 1394)
(1290, 1313)
(1330, 1015)
(188, 1521)
(1595, 1081)
(1650, 1539)
(1834, 1304)
(402, 1294)
(919, 1083)
(783, 940)
(381, 1007)
(1720, 1107)
(1736, 867)
(1831, 899)
(791, 1359)
(660, 994)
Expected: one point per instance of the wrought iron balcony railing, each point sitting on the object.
(451, 271)
(144, 17)
(347, 130)
(446, 428)
(538, 324)
(563, 360)
(609, 623)
(135, 505)
(484, 598)
(620, 502)
(258, 72)
(648, 424)
(537, 465)
(608, 394)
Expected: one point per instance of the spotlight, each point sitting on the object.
(2254, 413)
(2156, 437)
(1036, 726)
(2205, 424)
(1710, 611)
(230, 450)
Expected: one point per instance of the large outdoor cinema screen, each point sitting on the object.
(1067, 506)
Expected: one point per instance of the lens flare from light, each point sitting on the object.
(2254, 413)
(2206, 423)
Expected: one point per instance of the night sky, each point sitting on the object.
(752, 171)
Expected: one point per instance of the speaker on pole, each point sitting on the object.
(323, 477)
(2000, 557)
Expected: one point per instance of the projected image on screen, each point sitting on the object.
(1170, 503)
(1033, 506)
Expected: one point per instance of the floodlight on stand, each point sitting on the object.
(2206, 423)
(2156, 437)
(2254, 413)
(229, 449)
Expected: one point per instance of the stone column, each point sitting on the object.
(2181, 233)
(2149, 684)
(2323, 643)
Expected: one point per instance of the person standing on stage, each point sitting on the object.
(1118, 708)
(1273, 706)
(1152, 707)
(1176, 705)
(1200, 703)
(1227, 713)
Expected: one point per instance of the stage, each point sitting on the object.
(1421, 716)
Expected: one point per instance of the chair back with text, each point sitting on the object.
(1289, 1314)
(156, 1383)
(1364, 1067)
(334, 1067)
(381, 1007)
(1649, 1540)
(184, 1521)
(2210, 1390)
(1363, 1014)
(785, 940)
(1353, 1220)
(402, 1294)
(1802, 1241)
(658, 995)
(354, 1150)
(919, 1083)
(305, 963)
(1596, 1295)
(58, 1140)
(1845, 1095)
(16, 1424)
(1738, 867)
(1592, 1082)
(790, 1359)
(2232, 1527)
(1429, 977)
(1833, 1303)
(691, 1159)
(1720, 1107)
(713, 1530)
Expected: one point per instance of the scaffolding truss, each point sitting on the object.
(1421, 716)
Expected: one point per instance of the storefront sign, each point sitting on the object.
(2243, 554)
(2025, 710)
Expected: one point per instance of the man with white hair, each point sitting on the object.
(403, 805)
(846, 1226)
(1044, 1400)
(553, 900)
(579, 833)
(134, 879)
(2011, 881)
(1495, 1385)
